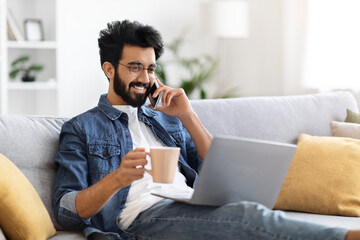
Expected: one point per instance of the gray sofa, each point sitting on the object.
(32, 142)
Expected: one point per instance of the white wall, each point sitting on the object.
(82, 80)
(253, 65)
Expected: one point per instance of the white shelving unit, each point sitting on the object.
(32, 86)
(41, 96)
(32, 45)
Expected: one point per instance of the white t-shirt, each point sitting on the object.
(139, 197)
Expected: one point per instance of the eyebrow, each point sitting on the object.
(140, 63)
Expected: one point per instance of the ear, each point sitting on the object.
(109, 70)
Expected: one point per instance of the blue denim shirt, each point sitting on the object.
(92, 146)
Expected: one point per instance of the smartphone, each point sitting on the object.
(154, 101)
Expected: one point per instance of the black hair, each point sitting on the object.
(119, 33)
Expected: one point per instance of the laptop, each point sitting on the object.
(238, 169)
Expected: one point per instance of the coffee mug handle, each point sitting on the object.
(149, 171)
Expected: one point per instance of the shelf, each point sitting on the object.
(32, 85)
(33, 98)
(32, 45)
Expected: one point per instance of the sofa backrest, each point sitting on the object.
(280, 119)
(32, 142)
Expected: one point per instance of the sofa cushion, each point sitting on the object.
(327, 220)
(345, 129)
(323, 177)
(68, 235)
(22, 213)
(31, 143)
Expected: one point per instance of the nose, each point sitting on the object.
(144, 75)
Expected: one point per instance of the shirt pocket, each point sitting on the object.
(104, 158)
(178, 138)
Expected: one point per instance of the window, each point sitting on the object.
(332, 52)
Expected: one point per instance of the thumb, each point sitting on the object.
(159, 108)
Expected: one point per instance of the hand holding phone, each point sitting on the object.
(154, 101)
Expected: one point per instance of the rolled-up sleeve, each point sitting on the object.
(194, 160)
(72, 175)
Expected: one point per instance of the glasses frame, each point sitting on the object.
(140, 72)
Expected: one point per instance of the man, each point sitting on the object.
(101, 186)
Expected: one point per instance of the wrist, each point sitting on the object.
(188, 118)
(116, 180)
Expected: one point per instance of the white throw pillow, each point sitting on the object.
(345, 129)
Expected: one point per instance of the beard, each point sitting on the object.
(136, 100)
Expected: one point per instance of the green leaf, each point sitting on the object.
(203, 94)
(20, 60)
(198, 70)
(188, 86)
(35, 68)
(14, 73)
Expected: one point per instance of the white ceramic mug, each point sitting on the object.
(164, 161)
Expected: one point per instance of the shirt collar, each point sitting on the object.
(112, 113)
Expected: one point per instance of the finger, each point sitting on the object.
(137, 172)
(135, 156)
(159, 90)
(133, 171)
(139, 150)
(159, 108)
(164, 96)
(169, 97)
(158, 81)
(134, 163)
(136, 152)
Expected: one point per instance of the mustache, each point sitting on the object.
(139, 84)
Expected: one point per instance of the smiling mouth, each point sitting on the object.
(140, 87)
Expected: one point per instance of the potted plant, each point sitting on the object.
(199, 70)
(19, 65)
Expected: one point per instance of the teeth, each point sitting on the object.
(140, 88)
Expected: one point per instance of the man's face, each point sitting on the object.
(134, 89)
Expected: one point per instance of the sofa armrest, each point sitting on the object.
(2, 236)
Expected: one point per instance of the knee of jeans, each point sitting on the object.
(253, 209)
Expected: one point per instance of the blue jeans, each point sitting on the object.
(244, 220)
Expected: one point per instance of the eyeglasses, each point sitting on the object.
(136, 69)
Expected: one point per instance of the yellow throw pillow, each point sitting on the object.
(324, 177)
(22, 213)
